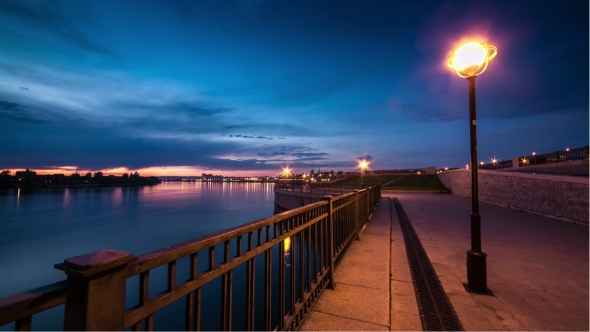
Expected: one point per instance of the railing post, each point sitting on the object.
(356, 214)
(99, 290)
(369, 207)
(330, 244)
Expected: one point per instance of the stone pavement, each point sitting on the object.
(537, 270)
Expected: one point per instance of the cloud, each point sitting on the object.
(23, 88)
(53, 24)
(295, 154)
(17, 112)
(367, 158)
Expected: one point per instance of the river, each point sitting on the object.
(41, 227)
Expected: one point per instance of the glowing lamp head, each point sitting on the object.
(472, 59)
(363, 164)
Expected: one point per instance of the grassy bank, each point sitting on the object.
(415, 182)
(370, 181)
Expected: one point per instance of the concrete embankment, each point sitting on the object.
(289, 199)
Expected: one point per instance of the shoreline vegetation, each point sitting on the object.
(30, 179)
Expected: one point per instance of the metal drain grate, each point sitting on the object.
(436, 311)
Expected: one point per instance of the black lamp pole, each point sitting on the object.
(476, 259)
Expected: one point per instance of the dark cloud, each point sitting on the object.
(17, 112)
(367, 158)
(293, 154)
(23, 88)
(67, 22)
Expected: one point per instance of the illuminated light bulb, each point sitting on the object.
(472, 59)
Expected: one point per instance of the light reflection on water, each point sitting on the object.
(41, 227)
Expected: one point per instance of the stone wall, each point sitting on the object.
(558, 196)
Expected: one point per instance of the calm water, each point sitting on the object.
(40, 227)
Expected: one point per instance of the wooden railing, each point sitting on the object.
(309, 243)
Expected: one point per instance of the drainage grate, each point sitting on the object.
(436, 311)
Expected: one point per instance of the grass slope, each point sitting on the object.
(369, 181)
(416, 182)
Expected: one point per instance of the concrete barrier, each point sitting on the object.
(558, 196)
(288, 199)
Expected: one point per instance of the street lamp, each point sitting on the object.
(363, 165)
(469, 61)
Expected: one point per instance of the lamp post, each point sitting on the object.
(286, 172)
(469, 61)
(363, 166)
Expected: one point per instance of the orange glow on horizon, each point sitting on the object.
(158, 171)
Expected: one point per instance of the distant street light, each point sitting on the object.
(363, 165)
(469, 61)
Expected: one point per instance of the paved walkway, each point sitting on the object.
(537, 270)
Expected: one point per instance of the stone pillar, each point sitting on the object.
(98, 301)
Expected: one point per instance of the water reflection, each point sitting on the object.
(41, 227)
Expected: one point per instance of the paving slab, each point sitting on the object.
(374, 289)
(537, 266)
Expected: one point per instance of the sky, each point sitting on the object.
(250, 87)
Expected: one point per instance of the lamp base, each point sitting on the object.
(477, 281)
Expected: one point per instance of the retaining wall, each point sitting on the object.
(558, 196)
(288, 199)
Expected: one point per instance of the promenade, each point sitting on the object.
(537, 270)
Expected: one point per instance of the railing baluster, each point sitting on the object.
(226, 291)
(301, 265)
(250, 287)
(198, 301)
(293, 267)
(309, 260)
(190, 298)
(144, 286)
(268, 289)
(316, 255)
(171, 276)
(239, 244)
(281, 285)
(190, 312)
(23, 324)
(226, 301)
(211, 258)
(149, 323)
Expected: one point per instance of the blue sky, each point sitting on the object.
(252, 86)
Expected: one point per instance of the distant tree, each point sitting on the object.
(134, 175)
(88, 177)
(340, 173)
(5, 177)
(125, 177)
(98, 175)
(75, 177)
